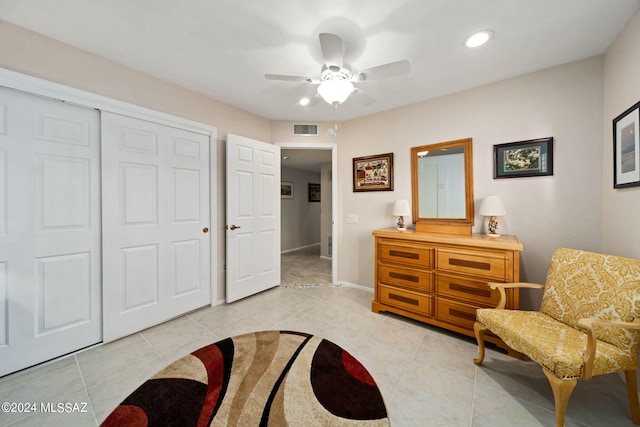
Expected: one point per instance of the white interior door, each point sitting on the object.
(253, 217)
(155, 217)
(50, 269)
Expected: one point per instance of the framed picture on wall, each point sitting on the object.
(533, 157)
(286, 190)
(314, 192)
(373, 173)
(626, 150)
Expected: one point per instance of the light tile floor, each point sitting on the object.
(426, 374)
(305, 266)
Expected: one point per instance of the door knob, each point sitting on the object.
(233, 227)
(205, 230)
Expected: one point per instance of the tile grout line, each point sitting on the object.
(86, 389)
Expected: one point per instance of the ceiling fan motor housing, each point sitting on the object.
(335, 73)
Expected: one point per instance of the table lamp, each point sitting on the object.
(401, 209)
(492, 207)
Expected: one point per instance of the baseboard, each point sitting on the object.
(353, 285)
(299, 248)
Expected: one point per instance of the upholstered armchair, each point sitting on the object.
(588, 323)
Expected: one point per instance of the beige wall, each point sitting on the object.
(545, 213)
(621, 208)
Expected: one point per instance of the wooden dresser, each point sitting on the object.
(441, 279)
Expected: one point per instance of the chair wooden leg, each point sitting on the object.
(562, 390)
(632, 392)
(479, 330)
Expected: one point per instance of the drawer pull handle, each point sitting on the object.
(404, 299)
(462, 314)
(407, 277)
(401, 254)
(469, 290)
(470, 264)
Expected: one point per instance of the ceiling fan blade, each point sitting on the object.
(285, 78)
(362, 97)
(386, 71)
(332, 49)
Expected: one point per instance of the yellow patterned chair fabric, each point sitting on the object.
(586, 325)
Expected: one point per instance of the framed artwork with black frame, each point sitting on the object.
(626, 148)
(373, 173)
(533, 157)
(314, 192)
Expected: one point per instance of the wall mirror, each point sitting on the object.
(442, 187)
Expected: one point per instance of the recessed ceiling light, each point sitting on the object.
(285, 157)
(478, 39)
(304, 101)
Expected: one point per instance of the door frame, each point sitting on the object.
(334, 192)
(49, 89)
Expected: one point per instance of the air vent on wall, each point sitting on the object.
(305, 129)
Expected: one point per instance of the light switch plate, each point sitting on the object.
(352, 218)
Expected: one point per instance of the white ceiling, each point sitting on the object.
(223, 48)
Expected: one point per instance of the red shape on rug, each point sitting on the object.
(217, 358)
(356, 369)
(128, 415)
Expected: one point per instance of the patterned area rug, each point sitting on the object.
(269, 378)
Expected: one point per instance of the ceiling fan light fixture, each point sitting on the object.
(335, 92)
(478, 39)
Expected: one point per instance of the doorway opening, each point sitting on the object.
(312, 162)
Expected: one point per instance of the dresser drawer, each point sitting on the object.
(405, 253)
(406, 277)
(488, 265)
(474, 291)
(409, 300)
(463, 315)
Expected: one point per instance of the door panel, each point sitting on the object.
(155, 209)
(50, 268)
(253, 196)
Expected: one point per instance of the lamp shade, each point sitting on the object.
(401, 208)
(335, 91)
(492, 206)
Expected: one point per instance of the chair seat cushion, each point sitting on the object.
(551, 343)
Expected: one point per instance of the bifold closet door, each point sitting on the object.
(155, 204)
(50, 266)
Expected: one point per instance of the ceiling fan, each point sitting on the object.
(336, 81)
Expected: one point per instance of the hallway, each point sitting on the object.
(305, 267)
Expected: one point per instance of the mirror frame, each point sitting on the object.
(446, 225)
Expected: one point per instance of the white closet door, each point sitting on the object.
(50, 299)
(155, 216)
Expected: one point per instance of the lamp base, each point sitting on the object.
(493, 235)
(401, 228)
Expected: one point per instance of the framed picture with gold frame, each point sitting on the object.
(286, 190)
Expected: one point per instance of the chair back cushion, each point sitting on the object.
(589, 285)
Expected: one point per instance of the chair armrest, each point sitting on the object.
(502, 286)
(589, 325)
